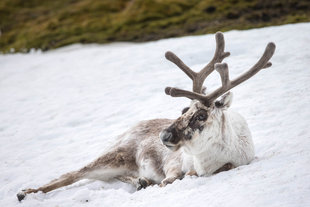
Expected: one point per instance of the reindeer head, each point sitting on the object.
(203, 120)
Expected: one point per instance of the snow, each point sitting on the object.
(61, 109)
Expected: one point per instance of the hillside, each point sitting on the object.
(51, 24)
(61, 109)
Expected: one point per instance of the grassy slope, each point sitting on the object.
(54, 23)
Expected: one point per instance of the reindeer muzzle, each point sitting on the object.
(169, 139)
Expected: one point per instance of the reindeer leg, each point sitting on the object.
(171, 176)
(110, 165)
(64, 180)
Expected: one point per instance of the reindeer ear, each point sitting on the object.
(185, 110)
(225, 101)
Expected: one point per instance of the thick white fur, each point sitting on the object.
(226, 138)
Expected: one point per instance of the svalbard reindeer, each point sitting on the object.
(206, 139)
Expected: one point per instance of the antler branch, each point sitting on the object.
(261, 64)
(199, 78)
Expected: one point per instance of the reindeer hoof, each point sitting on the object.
(192, 173)
(143, 183)
(226, 167)
(167, 181)
(21, 196)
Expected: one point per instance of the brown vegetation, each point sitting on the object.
(51, 24)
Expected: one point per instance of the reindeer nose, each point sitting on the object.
(166, 136)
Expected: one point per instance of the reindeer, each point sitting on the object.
(206, 139)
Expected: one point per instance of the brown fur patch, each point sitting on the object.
(118, 157)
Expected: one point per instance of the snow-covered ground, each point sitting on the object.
(61, 109)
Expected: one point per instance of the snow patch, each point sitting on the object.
(61, 109)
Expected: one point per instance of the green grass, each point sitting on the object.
(48, 24)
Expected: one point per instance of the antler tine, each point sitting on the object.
(176, 92)
(218, 57)
(222, 68)
(173, 58)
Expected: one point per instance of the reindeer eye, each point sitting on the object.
(202, 116)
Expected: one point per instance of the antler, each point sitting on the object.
(222, 69)
(199, 78)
